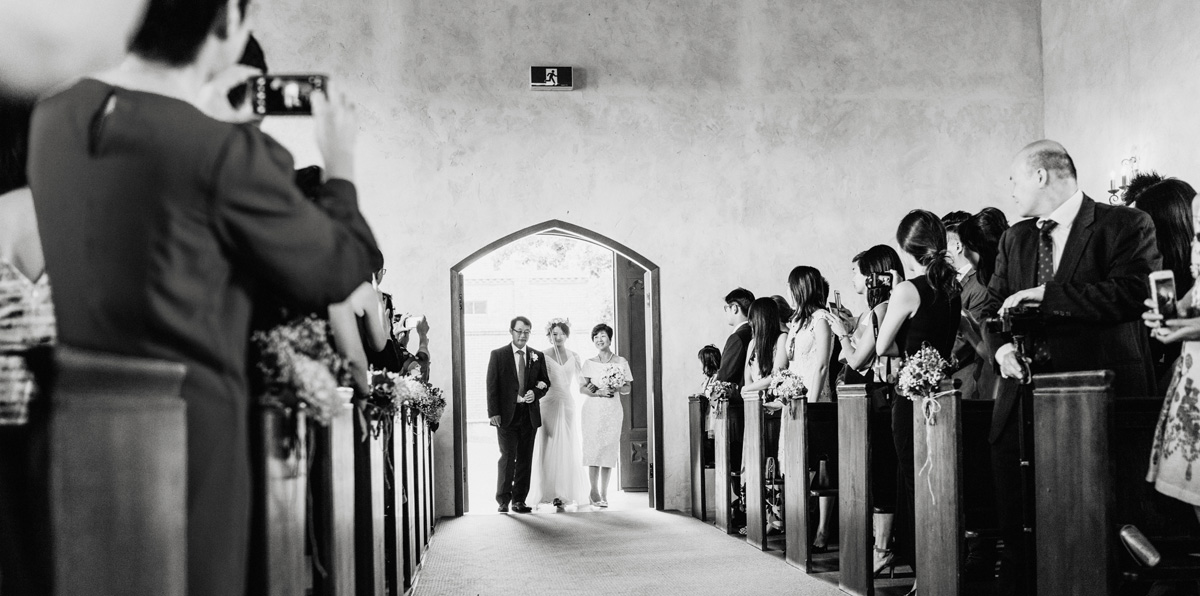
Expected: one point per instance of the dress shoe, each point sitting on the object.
(503, 508)
(558, 503)
(521, 508)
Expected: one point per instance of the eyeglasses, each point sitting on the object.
(521, 331)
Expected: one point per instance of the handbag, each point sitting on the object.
(773, 495)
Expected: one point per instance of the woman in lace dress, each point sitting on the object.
(557, 475)
(1176, 444)
(603, 416)
(811, 333)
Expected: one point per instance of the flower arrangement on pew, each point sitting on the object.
(718, 393)
(431, 403)
(298, 369)
(390, 392)
(788, 388)
(920, 378)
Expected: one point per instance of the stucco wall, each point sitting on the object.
(725, 141)
(1122, 79)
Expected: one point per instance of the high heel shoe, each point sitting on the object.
(819, 544)
(885, 559)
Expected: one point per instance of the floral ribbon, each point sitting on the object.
(930, 406)
(719, 405)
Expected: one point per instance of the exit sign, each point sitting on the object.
(550, 78)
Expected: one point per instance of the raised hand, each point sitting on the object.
(335, 120)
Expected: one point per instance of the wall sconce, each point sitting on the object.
(1129, 171)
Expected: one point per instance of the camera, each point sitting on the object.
(878, 281)
(1018, 320)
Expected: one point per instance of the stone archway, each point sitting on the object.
(649, 284)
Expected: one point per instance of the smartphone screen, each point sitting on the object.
(1164, 294)
(286, 95)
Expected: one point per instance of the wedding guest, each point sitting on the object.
(27, 330)
(968, 364)
(1175, 441)
(710, 363)
(358, 329)
(1138, 184)
(170, 262)
(980, 237)
(1169, 204)
(872, 272)
(1088, 263)
(766, 355)
(602, 416)
(924, 310)
(733, 367)
(785, 310)
(812, 331)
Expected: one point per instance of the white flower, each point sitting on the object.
(533, 356)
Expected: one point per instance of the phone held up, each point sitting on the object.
(281, 95)
(1162, 288)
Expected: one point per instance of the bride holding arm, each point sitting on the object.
(557, 474)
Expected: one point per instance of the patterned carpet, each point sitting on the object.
(605, 552)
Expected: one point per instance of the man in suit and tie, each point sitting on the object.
(733, 369)
(516, 380)
(1085, 265)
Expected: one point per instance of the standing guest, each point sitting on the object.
(710, 363)
(766, 355)
(873, 271)
(924, 310)
(1169, 204)
(170, 217)
(602, 416)
(1085, 265)
(811, 334)
(27, 329)
(1138, 184)
(980, 237)
(517, 379)
(733, 369)
(785, 310)
(968, 365)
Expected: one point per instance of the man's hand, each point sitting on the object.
(527, 398)
(494, 421)
(335, 122)
(1011, 366)
(214, 95)
(1031, 297)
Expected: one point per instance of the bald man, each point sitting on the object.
(1085, 264)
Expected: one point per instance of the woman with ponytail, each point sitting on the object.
(923, 310)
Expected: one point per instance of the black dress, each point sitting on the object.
(935, 323)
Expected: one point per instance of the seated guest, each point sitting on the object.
(1175, 441)
(1169, 204)
(924, 310)
(170, 217)
(1084, 265)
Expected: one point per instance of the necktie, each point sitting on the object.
(1045, 273)
(521, 372)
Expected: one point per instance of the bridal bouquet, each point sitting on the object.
(612, 379)
(788, 388)
(297, 367)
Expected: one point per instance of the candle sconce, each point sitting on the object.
(1129, 170)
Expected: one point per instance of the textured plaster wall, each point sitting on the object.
(1122, 79)
(726, 141)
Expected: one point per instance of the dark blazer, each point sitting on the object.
(733, 362)
(1093, 306)
(503, 385)
(971, 367)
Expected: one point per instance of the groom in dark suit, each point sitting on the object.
(516, 380)
(1086, 265)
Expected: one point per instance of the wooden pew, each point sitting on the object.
(697, 411)
(368, 511)
(413, 549)
(811, 429)
(430, 502)
(1072, 420)
(939, 490)
(722, 471)
(117, 475)
(333, 504)
(423, 484)
(855, 538)
(753, 462)
(277, 554)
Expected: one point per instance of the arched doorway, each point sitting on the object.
(637, 287)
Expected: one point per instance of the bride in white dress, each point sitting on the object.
(558, 475)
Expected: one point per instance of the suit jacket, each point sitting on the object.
(733, 363)
(971, 366)
(503, 384)
(1093, 306)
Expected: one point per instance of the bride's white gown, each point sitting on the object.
(558, 470)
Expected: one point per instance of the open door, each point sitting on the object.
(631, 343)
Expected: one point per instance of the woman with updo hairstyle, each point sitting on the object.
(556, 474)
(980, 237)
(924, 310)
(602, 415)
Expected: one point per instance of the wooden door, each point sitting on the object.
(629, 279)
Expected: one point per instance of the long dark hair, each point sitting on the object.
(880, 258)
(764, 326)
(809, 292)
(922, 235)
(981, 235)
(14, 143)
(1169, 204)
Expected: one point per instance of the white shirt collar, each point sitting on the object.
(964, 270)
(515, 348)
(1066, 213)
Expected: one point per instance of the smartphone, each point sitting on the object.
(286, 94)
(837, 300)
(1162, 287)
